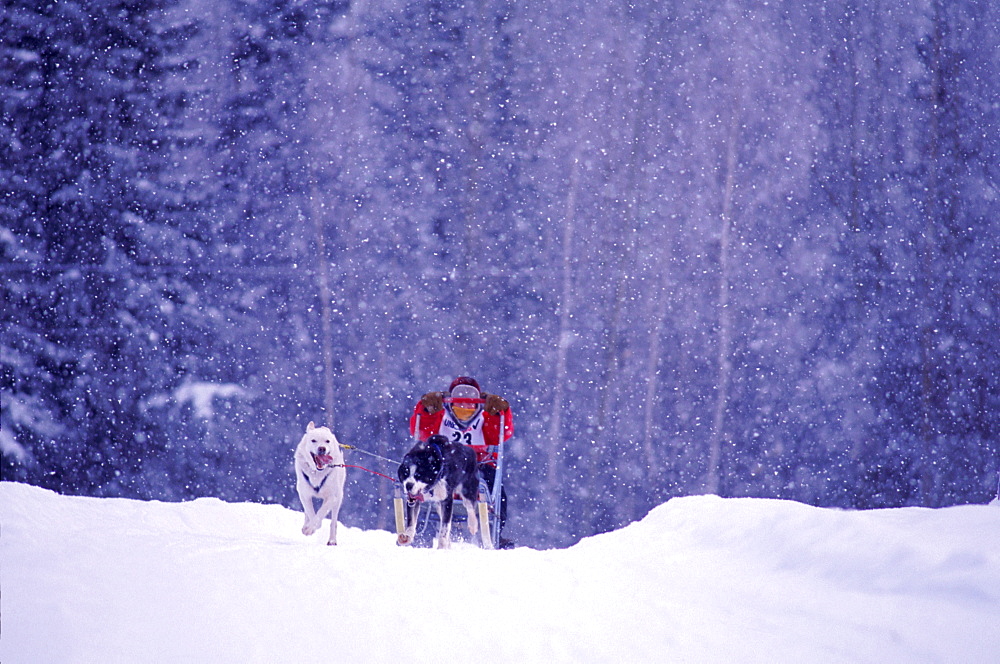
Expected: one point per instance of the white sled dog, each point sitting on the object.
(320, 475)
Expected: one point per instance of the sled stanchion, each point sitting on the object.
(498, 484)
(397, 503)
(499, 478)
(397, 498)
(484, 526)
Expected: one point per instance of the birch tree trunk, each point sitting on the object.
(929, 291)
(564, 337)
(649, 448)
(318, 217)
(724, 357)
(321, 213)
(474, 330)
(603, 514)
(632, 198)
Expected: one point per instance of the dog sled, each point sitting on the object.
(488, 506)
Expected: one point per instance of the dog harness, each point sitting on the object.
(325, 477)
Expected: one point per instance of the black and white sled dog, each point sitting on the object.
(320, 475)
(436, 470)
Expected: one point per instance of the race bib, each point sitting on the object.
(470, 434)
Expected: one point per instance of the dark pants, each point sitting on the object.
(489, 473)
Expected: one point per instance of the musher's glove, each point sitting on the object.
(433, 402)
(495, 404)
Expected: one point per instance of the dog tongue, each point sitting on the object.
(322, 460)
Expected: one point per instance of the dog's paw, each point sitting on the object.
(332, 543)
(309, 529)
(404, 540)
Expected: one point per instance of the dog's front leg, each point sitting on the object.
(306, 498)
(445, 508)
(331, 506)
(471, 508)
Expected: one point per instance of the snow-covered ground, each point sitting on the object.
(700, 579)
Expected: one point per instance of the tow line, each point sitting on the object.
(373, 472)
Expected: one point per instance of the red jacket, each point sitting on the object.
(430, 424)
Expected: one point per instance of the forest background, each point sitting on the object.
(730, 247)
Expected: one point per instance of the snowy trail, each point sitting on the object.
(700, 579)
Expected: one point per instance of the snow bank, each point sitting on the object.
(700, 579)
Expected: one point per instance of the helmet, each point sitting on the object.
(464, 380)
(465, 396)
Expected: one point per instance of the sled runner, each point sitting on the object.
(488, 509)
